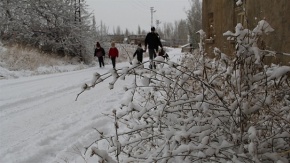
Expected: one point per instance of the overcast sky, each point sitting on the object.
(128, 14)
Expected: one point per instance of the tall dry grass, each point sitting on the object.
(17, 57)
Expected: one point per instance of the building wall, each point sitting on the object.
(224, 15)
(217, 18)
(277, 13)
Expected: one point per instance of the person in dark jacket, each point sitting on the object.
(163, 54)
(113, 54)
(100, 53)
(152, 40)
(139, 52)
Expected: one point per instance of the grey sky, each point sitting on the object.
(131, 13)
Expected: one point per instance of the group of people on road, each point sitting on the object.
(152, 42)
(100, 53)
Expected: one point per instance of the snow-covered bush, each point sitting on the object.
(202, 110)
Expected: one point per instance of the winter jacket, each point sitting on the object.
(163, 54)
(139, 52)
(153, 41)
(99, 52)
(113, 52)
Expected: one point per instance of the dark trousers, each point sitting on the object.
(113, 61)
(140, 58)
(152, 55)
(101, 61)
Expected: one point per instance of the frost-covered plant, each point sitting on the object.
(217, 110)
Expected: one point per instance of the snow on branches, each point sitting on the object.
(246, 40)
(233, 112)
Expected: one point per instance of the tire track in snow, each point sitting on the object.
(14, 104)
(32, 101)
(43, 77)
(57, 138)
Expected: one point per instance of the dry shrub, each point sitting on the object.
(18, 57)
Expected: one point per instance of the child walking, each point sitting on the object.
(113, 54)
(139, 52)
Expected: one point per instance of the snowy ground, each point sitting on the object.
(41, 121)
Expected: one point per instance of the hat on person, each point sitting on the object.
(152, 28)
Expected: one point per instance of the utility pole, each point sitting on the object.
(78, 19)
(152, 11)
(78, 10)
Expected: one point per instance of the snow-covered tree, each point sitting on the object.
(174, 34)
(54, 26)
(194, 21)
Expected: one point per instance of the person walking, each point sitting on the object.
(163, 54)
(152, 40)
(100, 53)
(139, 52)
(113, 54)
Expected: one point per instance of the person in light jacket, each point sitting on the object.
(113, 54)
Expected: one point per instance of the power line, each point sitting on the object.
(142, 4)
(138, 5)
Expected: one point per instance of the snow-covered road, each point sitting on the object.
(40, 118)
(41, 122)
